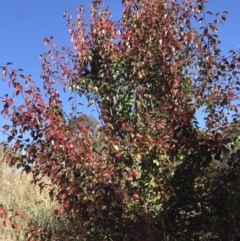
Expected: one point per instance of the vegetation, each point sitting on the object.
(147, 171)
(18, 192)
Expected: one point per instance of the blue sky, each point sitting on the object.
(24, 24)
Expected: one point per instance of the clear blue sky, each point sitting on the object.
(25, 23)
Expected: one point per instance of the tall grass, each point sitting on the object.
(16, 191)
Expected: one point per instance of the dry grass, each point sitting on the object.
(17, 191)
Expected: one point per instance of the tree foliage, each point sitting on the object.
(146, 172)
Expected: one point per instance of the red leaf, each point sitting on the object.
(14, 225)
(63, 196)
(185, 118)
(8, 157)
(67, 205)
(6, 128)
(13, 74)
(19, 88)
(135, 195)
(17, 144)
(1, 208)
(21, 107)
(19, 228)
(55, 212)
(4, 215)
(136, 173)
(52, 175)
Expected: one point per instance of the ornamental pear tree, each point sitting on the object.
(146, 171)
